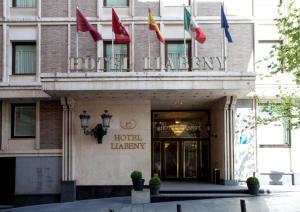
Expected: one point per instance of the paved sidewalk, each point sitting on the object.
(285, 202)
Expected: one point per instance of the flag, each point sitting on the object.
(121, 35)
(225, 26)
(192, 27)
(153, 26)
(83, 26)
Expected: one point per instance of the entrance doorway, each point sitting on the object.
(180, 145)
(7, 180)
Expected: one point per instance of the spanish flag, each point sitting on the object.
(153, 26)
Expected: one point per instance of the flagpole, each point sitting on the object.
(223, 43)
(112, 48)
(184, 39)
(77, 39)
(149, 50)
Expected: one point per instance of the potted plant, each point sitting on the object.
(154, 184)
(253, 185)
(137, 180)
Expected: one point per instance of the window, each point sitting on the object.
(24, 58)
(116, 3)
(23, 120)
(175, 56)
(24, 3)
(276, 133)
(177, 3)
(120, 61)
(264, 48)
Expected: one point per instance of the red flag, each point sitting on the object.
(83, 26)
(121, 35)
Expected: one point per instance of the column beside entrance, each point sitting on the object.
(68, 185)
(229, 109)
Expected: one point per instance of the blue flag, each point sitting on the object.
(224, 24)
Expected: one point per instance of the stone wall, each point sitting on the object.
(54, 49)
(87, 7)
(141, 8)
(50, 125)
(102, 164)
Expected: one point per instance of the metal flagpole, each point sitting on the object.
(184, 39)
(112, 48)
(77, 54)
(149, 50)
(223, 43)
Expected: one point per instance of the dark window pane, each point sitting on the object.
(24, 121)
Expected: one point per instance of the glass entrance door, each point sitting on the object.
(190, 158)
(171, 162)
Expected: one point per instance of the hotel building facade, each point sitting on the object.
(179, 123)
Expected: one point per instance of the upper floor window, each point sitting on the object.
(24, 3)
(274, 133)
(264, 49)
(178, 3)
(176, 58)
(23, 120)
(24, 58)
(116, 3)
(120, 59)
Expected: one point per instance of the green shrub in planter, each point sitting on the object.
(137, 181)
(136, 175)
(252, 181)
(154, 181)
(253, 185)
(154, 185)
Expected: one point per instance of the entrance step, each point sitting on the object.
(166, 197)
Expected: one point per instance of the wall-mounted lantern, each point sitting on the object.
(100, 130)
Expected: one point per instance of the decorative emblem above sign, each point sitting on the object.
(128, 124)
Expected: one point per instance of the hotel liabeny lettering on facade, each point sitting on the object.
(77, 116)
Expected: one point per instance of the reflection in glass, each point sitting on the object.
(190, 159)
(156, 158)
(171, 159)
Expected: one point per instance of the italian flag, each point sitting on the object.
(192, 27)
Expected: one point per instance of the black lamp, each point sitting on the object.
(100, 130)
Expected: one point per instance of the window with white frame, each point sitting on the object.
(263, 51)
(274, 133)
(177, 3)
(24, 3)
(23, 121)
(175, 55)
(23, 58)
(119, 61)
(116, 3)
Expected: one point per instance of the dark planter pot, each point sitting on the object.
(154, 189)
(138, 184)
(253, 189)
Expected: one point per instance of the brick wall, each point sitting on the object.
(87, 7)
(141, 47)
(87, 47)
(50, 125)
(240, 53)
(54, 49)
(1, 8)
(208, 8)
(141, 8)
(54, 8)
(212, 45)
